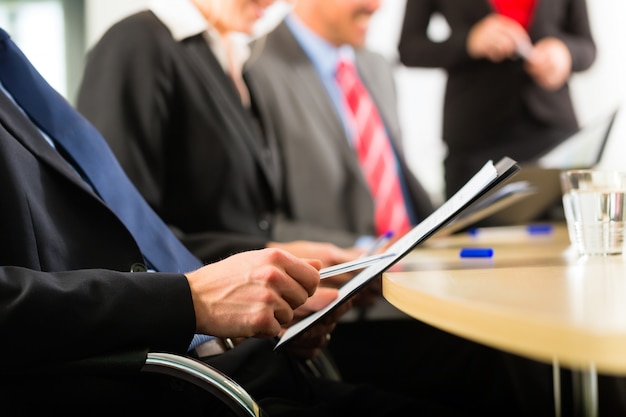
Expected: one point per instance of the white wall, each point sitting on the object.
(595, 92)
(101, 14)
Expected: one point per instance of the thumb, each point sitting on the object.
(315, 263)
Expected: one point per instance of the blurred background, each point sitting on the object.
(56, 34)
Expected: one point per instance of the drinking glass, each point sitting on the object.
(595, 205)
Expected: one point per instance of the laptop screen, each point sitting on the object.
(581, 150)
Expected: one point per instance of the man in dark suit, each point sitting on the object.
(73, 284)
(508, 65)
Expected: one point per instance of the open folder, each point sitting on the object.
(490, 176)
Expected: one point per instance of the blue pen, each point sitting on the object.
(539, 229)
(380, 242)
(476, 253)
(512, 231)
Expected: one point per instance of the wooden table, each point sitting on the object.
(535, 297)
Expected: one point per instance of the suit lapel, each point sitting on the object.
(25, 132)
(209, 73)
(543, 10)
(305, 77)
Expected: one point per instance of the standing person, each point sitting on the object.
(164, 88)
(295, 79)
(508, 65)
(74, 283)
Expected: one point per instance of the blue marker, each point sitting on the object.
(539, 229)
(476, 253)
(512, 231)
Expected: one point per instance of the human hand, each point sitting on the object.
(549, 64)
(309, 343)
(497, 38)
(327, 253)
(251, 294)
(368, 295)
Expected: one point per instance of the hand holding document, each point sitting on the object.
(487, 178)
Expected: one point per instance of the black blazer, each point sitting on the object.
(179, 130)
(52, 226)
(480, 95)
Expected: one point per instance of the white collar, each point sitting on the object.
(183, 19)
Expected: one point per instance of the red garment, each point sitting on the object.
(519, 10)
(375, 153)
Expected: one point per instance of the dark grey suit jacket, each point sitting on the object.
(324, 184)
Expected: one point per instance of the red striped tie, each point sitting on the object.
(375, 153)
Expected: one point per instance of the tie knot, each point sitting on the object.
(343, 64)
(346, 73)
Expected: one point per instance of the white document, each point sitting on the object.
(358, 263)
(483, 181)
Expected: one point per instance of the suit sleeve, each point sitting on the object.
(56, 317)
(417, 49)
(576, 34)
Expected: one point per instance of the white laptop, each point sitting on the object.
(540, 196)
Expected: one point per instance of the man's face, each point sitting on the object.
(345, 21)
